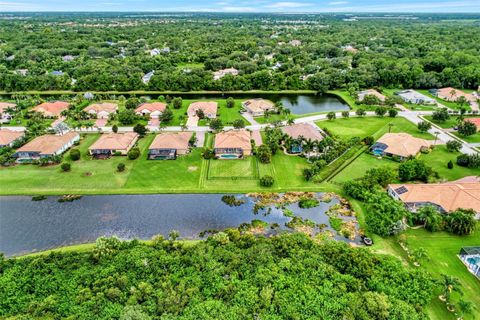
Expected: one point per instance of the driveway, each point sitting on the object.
(192, 121)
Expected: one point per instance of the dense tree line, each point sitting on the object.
(228, 276)
(112, 52)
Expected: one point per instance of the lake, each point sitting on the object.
(29, 226)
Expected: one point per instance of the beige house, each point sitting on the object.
(101, 110)
(110, 143)
(5, 116)
(401, 145)
(372, 92)
(152, 109)
(257, 107)
(209, 109)
(46, 146)
(235, 144)
(166, 146)
(446, 197)
(51, 109)
(8, 137)
(222, 73)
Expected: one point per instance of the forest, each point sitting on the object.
(113, 52)
(231, 275)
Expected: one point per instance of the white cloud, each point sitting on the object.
(287, 4)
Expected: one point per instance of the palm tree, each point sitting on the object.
(465, 307)
(390, 125)
(452, 93)
(450, 284)
(308, 145)
(290, 121)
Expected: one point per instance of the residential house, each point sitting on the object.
(166, 146)
(5, 115)
(400, 145)
(153, 109)
(101, 110)
(295, 43)
(154, 52)
(46, 146)
(209, 109)
(52, 109)
(222, 73)
(257, 107)
(68, 58)
(362, 94)
(57, 73)
(146, 78)
(111, 143)
(9, 137)
(475, 121)
(414, 97)
(452, 94)
(302, 131)
(235, 144)
(22, 72)
(446, 197)
(349, 48)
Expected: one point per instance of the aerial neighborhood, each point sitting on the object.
(240, 160)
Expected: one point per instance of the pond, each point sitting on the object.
(29, 226)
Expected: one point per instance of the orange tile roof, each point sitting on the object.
(102, 106)
(9, 136)
(151, 106)
(52, 108)
(305, 130)
(114, 141)
(48, 144)
(403, 144)
(475, 121)
(450, 195)
(171, 140)
(208, 107)
(5, 105)
(258, 105)
(233, 139)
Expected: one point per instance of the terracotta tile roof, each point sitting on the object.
(5, 105)
(151, 106)
(171, 140)
(450, 195)
(305, 130)
(102, 106)
(48, 144)
(446, 94)
(208, 107)
(9, 136)
(258, 105)
(114, 141)
(52, 109)
(475, 121)
(403, 144)
(233, 139)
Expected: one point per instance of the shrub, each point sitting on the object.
(133, 154)
(345, 114)
(216, 124)
(424, 126)
(360, 112)
(467, 128)
(264, 154)
(441, 115)
(238, 124)
(307, 203)
(75, 154)
(454, 145)
(266, 181)
(368, 141)
(66, 166)
(117, 154)
(469, 160)
(140, 129)
(208, 154)
(461, 221)
(450, 164)
(115, 128)
(177, 103)
(380, 111)
(121, 167)
(392, 113)
(230, 102)
(414, 170)
(331, 115)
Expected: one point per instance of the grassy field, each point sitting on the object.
(450, 123)
(233, 169)
(187, 174)
(442, 249)
(370, 126)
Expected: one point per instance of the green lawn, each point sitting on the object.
(450, 123)
(345, 96)
(186, 174)
(370, 126)
(442, 249)
(246, 168)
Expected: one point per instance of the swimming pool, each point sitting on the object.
(229, 156)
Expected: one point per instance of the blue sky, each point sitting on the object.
(244, 5)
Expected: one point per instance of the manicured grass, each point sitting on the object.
(442, 249)
(437, 159)
(233, 169)
(475, 138)
(187, 174)
(450, 123)
(345, 96)
(370, 126)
